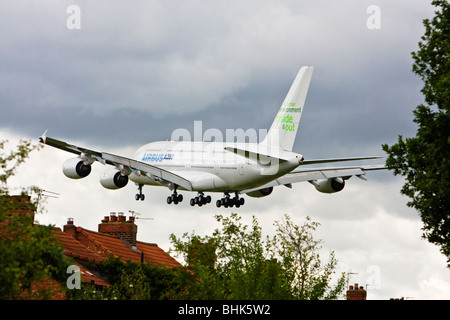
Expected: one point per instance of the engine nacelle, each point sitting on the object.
(260, 193)
(329, 186)
(113, 179)
(75, 168)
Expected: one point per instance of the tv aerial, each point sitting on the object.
(136, 215)
(45, 194)
(48, 194)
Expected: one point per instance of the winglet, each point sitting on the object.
(43, 138)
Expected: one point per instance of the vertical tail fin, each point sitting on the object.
(284, 128)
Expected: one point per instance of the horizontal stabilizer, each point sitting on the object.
(317, 161)
(262, 153)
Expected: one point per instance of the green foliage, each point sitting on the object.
(299, 253)
(136, 281)
(432, 59)
(128, 279)
(11, 159)
(236, 263)
(424, 160)
(28, 253)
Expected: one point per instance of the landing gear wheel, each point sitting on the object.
(175, 198)
(227, 201)
(200, 200)
(140, 195)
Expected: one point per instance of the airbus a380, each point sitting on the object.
(229, 168)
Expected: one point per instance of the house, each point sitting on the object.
(117, 236)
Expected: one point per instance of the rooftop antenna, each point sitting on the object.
(48, 194)
(135, 215)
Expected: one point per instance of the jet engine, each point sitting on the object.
(331, 185)
(113, 179)
(260, 193)
(75, 168)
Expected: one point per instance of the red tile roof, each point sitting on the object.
(109, 244)
(91, 246)
(95, 246)
(156, 255)
(75, 249)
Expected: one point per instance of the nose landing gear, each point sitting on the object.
(140, 195)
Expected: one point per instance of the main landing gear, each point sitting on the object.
(174, 198)
(140, 195)
(227, 201)
(200, 200)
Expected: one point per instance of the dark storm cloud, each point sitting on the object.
(135, 73)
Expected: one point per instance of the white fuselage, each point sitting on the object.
(210, 167)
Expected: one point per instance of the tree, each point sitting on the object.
(299, 251)
(136, 281)
(236, 263)
(424, 160)
(28, 253)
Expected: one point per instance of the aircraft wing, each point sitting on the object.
(318, 174)
(121, 163)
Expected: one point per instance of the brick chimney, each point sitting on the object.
(19, 205)
(356, 293)
(70, 228)
(118, 226)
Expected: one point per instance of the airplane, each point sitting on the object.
(235, 168)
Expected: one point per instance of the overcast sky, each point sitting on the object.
(137, 70)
